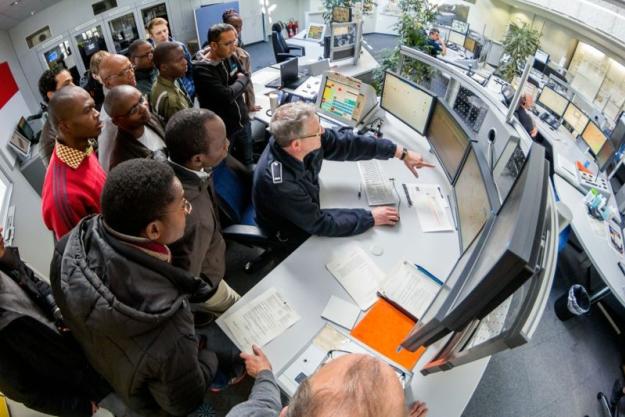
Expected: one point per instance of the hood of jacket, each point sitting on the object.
(115, 287)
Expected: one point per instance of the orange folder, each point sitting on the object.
(383, 328)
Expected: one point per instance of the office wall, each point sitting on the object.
(34, 240)
(7, 53)
(64, 17)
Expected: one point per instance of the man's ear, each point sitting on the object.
(154, 230)
(50, 94)
(283, 412)
(295, 145)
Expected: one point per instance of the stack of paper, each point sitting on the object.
(260, 321)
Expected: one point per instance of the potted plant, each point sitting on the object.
(519, 43)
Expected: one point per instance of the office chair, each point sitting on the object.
(233, 188)
(282, 50)
(615, 406)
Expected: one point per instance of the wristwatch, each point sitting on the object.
(404, 152)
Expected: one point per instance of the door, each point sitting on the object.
(58, 53)
(124, 31)
(89, 41)
(153, 11)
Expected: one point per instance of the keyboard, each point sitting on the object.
(377, 186)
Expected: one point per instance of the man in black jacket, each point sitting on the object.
(220, 83)
(140, 133)
(286, 179)
(128, 307)
(40, 366)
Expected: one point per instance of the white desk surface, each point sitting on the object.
(307, 285)
(596, 244)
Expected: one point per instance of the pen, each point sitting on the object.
(429, 274)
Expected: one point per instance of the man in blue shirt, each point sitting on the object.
(286, 179)
(436, 43)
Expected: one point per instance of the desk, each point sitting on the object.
(597, 246)
(307, 285)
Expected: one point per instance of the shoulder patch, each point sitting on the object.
(276, 172)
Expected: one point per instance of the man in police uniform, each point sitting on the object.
(286, 179)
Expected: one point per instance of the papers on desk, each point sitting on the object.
(405, 286)
(357, 273)
(431, 206)
(261, 320)
(409, 289)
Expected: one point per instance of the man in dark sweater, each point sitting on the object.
(140, 133)
(286, 179)
(525, 103)
(197, 142)
(141, 53)
(128, 306)
(221, 82)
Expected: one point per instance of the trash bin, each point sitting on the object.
(574, 302)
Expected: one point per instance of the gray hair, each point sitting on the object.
(362, 394)
(288, 122)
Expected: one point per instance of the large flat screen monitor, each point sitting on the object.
(575, 118)
(457, 38)
(553, 101)
(472, 199)
(449, 140)
(593, 137)
(344, 99)
(315, 31)
(406, 101)
(605, 154)
(497, 263)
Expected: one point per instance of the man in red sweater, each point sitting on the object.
(74, 179)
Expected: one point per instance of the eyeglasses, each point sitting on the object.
(233, 42)
(135, 109)
(337, 353)
(318, 134)
(186, 206)
(145, 55)
(122, 73)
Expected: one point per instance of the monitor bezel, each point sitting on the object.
(416, 86)
(549, 108)
(464, 128)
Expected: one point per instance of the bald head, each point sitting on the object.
(526, 101)
(127, 107)
(115, 70)
(353, 385)
(72, 112)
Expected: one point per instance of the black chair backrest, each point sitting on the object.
(279, 45)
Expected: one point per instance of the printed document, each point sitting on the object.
(357, 273)
(431, 206)
(260, 320)
(410, 289)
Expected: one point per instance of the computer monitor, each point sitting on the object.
(448, 139)
(344, 99)
(470, 44)
(20, 144)
(315, 31)
(459, 26)
(575, 118)
(344, 53)
(52, 56)
(457, 38)
(541, 56)
(605, 154)
(25, 129)
(553, 101)
(497, 263)
(341, 14)
(593, 137)
(472, 199)
(406, 101)
(618, 133)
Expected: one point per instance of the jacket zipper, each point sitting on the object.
(235, 102)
